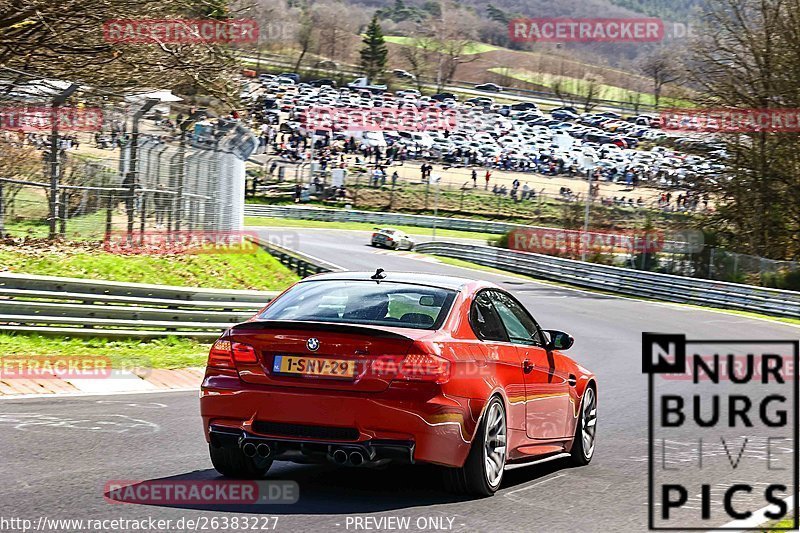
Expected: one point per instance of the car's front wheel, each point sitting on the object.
(586, 430)
(482, 472)
(231, 462)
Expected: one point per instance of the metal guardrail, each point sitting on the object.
(377, 217)
(84, 307)
(624, 281)
(675, 243)
(303, 264)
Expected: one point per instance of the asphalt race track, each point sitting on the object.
(59, 454)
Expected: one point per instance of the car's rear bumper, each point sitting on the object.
(431, 427)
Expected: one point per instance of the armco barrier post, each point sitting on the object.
(62, 221)
(2, 213)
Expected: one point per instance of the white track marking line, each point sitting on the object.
(757, 519)
(67, 395)
(535, 484)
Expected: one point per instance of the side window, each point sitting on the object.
(485, 321)
(521, 328)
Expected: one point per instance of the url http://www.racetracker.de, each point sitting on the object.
(201, 523)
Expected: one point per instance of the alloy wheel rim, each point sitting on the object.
(494, 445)
(589, 422)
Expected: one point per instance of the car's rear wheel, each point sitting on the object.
(482, 472)
(586, 430)
(231, 462)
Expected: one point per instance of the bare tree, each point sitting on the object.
(747, 56)
(65, 40)
(589, 90)
(305, 36)
(454, 32)
(662, 68)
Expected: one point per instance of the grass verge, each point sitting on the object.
(579, 87)
(783, 525)
(253, 270)
(364, 226)
(168, 352)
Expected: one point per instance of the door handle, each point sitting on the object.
(527, 366)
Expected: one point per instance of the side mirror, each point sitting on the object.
(559, 340)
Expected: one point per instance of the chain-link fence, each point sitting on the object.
(76, 162)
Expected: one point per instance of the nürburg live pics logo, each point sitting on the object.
(722, 433)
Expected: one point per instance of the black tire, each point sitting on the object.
(231, 462)
(587, 425)
(472, 478)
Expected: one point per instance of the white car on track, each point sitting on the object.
(392, 238)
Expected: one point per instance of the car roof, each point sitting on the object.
(413, 278)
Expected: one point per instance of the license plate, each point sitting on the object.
(314, 366)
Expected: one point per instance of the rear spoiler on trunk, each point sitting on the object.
(334, 327)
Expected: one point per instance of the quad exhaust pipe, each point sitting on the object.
(249, 449)
(342, 456)
(262, 450)
(356, 458)
(347, 456)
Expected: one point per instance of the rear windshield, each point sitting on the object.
(363, 302)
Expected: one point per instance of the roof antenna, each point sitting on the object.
(378, 275)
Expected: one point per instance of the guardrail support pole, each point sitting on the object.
(62, 221)
(2, 212)
(142, 218)
(109, 212)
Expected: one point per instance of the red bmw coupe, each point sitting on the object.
(360, 370)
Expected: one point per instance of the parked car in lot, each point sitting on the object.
(491, 87)
(291, 75)
(403, 74)
(362, 370)
(392, 238)
(440, 97)
(323, 81)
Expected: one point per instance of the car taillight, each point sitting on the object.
(244, 353)
(413, 367)
(424, 367)
(220, 355)
(223, 354)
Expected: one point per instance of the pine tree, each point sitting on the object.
(374, 52)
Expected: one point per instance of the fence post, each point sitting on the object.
(143, 218)
(2, 212)
(62, 221)
(109, 212)
(711, 264)
(190, 215)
